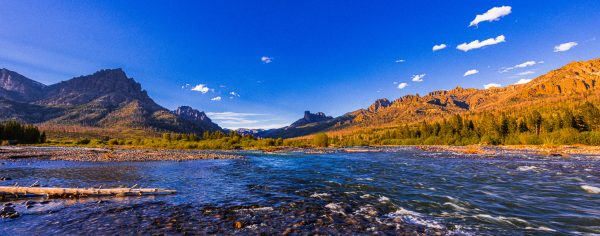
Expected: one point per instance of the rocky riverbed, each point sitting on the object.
(106, 155)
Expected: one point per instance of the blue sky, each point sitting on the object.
(283, 57)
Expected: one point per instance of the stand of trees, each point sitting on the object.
(13, 132)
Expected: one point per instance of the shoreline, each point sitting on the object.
(563, 150)
(95, 154)
(106, 155)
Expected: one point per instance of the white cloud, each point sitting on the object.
(201, 88)
(233, 95)
(402, 85)
(471, 72)
(235, 120)
(525, 64)
(266, 59)
(217, 98)
(395, 82)
(438, 47)
(522, 65)
(476, 44)
(564, 47)
(523, 81)
(493, 14)
(491, 85)
(400, 60)
(529, 72)
(418, 78)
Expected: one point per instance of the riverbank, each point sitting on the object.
(564, 151)
(131, 154)
(106, 155)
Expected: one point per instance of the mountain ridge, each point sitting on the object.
(571, 81)
(106, 98)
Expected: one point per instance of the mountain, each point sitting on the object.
(18, 88)
(196, 118)
(310, 123)
(245, 131)
(107, 98)
(573, 82)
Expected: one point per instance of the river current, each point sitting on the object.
(400, 191)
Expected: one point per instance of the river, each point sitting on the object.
(402, 191)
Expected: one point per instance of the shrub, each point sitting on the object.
(321, 140)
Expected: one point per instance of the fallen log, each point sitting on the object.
(7, 191)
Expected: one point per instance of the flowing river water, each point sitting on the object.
(400, 191)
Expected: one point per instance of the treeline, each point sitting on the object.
(576, 125)
(13, 132)
(558, 124)
(208, 140)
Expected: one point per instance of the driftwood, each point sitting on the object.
(19, 192)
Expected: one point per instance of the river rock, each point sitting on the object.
(9, 212)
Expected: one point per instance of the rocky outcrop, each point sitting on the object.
(379, 104)
(195, 117)
(311, 118)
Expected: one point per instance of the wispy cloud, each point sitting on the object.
(477, 44)
(438, 47)
(491, 85)
(529, 72)
(402, 85)
(563, 47)
(266, 59)
(418, 78)
(493, 14)
(201, 88)
(523, 81)
(216, 99)
(400, 60)
(235, 120)
(470, 72)
(522, 65)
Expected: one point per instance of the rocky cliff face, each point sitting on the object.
(311, 118)
(379, 104)
(195, 117)
(112, 86)
(107, 98)
(310, 123)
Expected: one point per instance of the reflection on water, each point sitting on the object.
(393, 192)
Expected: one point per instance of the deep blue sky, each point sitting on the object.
(330, 56)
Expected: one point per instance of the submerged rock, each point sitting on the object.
(9, 212)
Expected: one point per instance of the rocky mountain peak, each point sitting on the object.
(190, 114)
(379, 104)
(15, 86)
(311, 118)
(109, 82)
